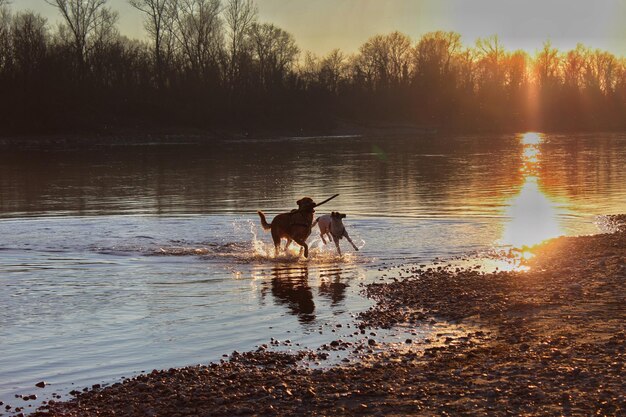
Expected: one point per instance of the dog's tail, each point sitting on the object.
(264, 223)
(315, 222)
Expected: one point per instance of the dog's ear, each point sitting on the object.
(299, 202)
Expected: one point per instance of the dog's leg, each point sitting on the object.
(345, 233)
(304, 246)
(276, 239)
(322, 236)
(337, 244)
(287, 245)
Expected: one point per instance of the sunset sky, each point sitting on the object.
(321, 25)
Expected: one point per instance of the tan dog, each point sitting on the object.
(332, 226)
(293, 226)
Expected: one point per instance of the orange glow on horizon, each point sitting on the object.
(323, 25)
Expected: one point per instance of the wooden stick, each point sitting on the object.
(326, 201)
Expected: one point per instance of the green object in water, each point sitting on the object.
(380, 154)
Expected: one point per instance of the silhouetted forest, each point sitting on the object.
(213, 64)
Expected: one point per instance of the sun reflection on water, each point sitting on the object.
(531, 138)
(531, 215)
(531, 155)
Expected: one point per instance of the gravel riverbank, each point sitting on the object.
(549, 341)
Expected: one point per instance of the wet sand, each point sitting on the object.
(550, 341)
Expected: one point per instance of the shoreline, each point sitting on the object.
(548, 341)
(199, 136)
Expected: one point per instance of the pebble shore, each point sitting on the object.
(548, 341)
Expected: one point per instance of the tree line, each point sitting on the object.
(213, 64)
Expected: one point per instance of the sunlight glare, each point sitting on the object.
(533, 217)
(527, 255)
(531, 154)
(531, 138)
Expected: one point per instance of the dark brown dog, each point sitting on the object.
(293, 226)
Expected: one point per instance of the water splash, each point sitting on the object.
(318, 252)
(253, 245)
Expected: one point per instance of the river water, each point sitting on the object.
(118, 257)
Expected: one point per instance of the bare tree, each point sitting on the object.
(105, 31)
(159, 25)
(333, 70)
(434, 55)
(30, 37)
(84, 18)
(6, 57)
(275, 50)
(573, 67)
(466, 70)
(516, 70)
(386, 59)
(199, 33)
(547, 65)
(101, 46)
(239, 16)
(602, 71)
(491, 54)
(399, 46)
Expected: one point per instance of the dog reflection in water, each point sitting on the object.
(332, 287)
(290, 286)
